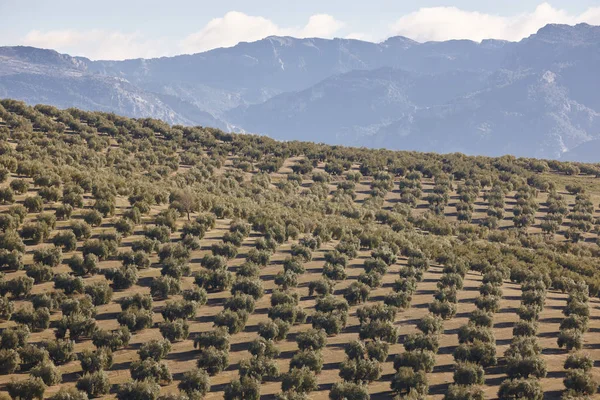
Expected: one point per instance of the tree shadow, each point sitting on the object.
(500, 325)
(183, 355)
(443, 368)
(438, 389)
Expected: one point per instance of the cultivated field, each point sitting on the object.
(403, 227)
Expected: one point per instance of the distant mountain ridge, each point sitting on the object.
(537, 97)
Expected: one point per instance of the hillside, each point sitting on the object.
(399, 93)
(126, 242)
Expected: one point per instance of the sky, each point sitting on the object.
(122, 29)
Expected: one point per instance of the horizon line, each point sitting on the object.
(300, 39)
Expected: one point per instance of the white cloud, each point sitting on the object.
(232, 28)
(228, 31)
(97, 44)
(237, 27)
(435, 23)
(321, 25)
(444, 23)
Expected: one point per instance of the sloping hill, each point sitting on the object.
(144, 261)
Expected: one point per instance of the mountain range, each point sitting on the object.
(535, 98)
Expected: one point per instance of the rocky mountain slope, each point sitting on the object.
(536, 97)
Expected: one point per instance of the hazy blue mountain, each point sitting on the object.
(350, 108)
(585, 152)
(45, 76)
(527, 115)
(251, 73)
(536, 97)
(518, 104)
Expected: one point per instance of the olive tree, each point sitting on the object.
(82, 266)
(48, 372)
(99, 292)
(530, 389)
(259, 368)
(175, 330)
(9, 361)
(416, 359)
(579, 361)
(462, 392)
(349, 390)
(112, 339)
(300, 380)
(61, 351)
(96, 360)
(138, 390)
(155, 349)
(29, 389)
(311, 339)
(136, 319)
(310, 359)
(468, 374)
(244, 388)
(151, 370)
(195, 383)
(407, 381)
(95, 384)
(69, 393)
(213, 360)
(580, 382)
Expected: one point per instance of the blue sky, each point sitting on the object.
(113, 29)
